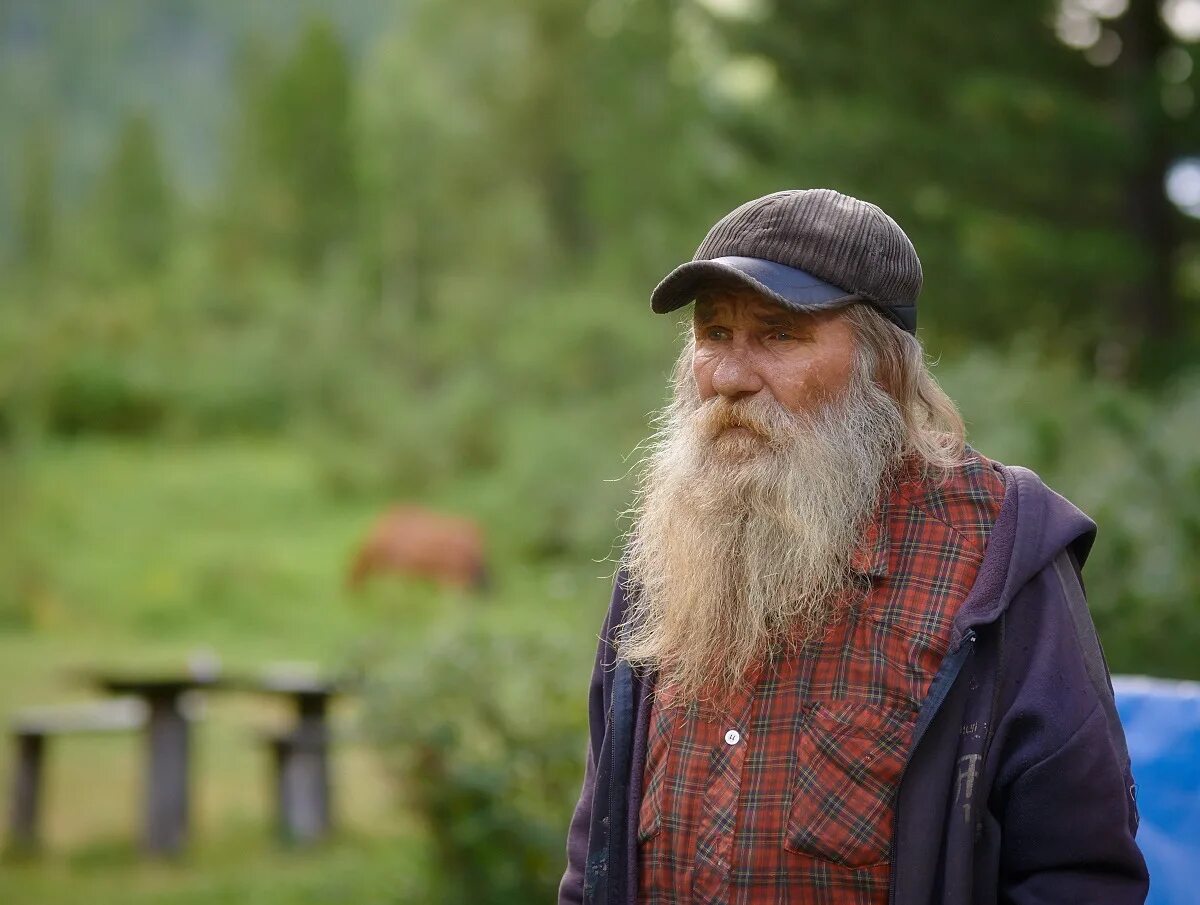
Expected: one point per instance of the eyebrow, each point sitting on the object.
(708, 314)
(780, 320)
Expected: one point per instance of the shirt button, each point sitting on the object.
(732, 737)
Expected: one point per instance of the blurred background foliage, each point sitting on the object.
(269, 266)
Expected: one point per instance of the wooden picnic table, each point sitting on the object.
(166, 808)
(300, 753)
(155, 703)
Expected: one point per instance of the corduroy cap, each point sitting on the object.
(804, 248)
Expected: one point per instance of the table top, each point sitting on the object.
(295, 680)
(151, 685)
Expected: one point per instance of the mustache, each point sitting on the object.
(761, 415)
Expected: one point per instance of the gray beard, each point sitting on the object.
(742, 540)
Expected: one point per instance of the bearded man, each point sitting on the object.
(848, 658)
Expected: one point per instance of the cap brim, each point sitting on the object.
(786, 286)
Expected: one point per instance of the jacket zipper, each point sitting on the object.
(948, 674)
(622, 741)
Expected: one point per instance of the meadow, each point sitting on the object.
(269, 268)
(156, 554)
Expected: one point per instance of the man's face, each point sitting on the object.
(747, 346)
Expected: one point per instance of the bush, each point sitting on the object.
(1131, 462)
(486, 745)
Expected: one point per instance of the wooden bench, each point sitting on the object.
(300, 754)
(31, 729)
(300, 779)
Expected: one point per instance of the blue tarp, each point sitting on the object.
(1162, 726)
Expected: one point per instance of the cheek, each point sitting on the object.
(837, 368)
(702, 370)
(814, 379)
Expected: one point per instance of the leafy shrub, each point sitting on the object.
(1132, 462)
(485, 743)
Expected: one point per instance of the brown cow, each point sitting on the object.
(408, 540)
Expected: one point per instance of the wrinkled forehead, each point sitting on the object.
(735, 302)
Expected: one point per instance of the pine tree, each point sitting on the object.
(1028, 173)
(307, 142)
(36, 223)
(136, 207)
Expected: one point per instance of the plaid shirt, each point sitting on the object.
(787, 794)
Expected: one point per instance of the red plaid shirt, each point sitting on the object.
(787, 795)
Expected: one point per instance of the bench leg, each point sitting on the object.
(26, 791)
(302, 788)
(279, 756)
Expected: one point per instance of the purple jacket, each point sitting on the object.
(1017, 788)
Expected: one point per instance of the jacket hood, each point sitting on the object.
(1034, 525)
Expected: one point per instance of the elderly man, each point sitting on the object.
(848, 658)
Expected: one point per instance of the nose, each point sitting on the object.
(734, 378)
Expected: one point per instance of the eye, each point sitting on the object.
(714, 333)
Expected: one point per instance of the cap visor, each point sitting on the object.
(786, 286)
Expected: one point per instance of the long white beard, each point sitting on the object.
(742, 540)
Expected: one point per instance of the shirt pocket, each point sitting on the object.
(849, 760)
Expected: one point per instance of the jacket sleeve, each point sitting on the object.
(570, 888)
(1066, 791)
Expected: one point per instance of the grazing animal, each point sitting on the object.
(416, 542)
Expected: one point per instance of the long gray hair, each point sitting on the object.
(934, 433)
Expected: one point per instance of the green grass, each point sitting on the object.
(240, 866)
(142, 556)
(193, 545)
